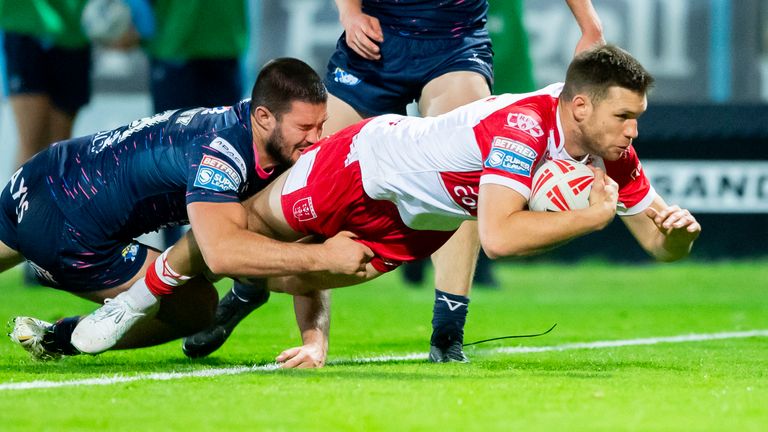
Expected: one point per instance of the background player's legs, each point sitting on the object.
(8, 257)
(340, 115)
(60, 123)
(32, 113)
(455, 261)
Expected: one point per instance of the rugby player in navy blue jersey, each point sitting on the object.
(391, 53)
(74, 210)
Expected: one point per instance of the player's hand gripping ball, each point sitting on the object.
(561, 185)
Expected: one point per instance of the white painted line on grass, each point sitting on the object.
(207, 373)
(158, 376)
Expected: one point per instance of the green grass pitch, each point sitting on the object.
(718, 385)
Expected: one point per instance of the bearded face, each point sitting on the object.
(294, 131)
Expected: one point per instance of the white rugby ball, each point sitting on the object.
(105, 21)
(561, 185)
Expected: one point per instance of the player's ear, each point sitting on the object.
(264, 118)
(581, 106)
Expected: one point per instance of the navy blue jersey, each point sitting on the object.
(137, 178)
(429, 18)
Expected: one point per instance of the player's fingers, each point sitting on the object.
(651, 213)
(665, 214)
(599, 181)
(293, 362)
(352, 42)
(367, 252)
(374, 30)
(671, 220)
(686, 219)
(289, 353)
(694, 227)
(370, 33)
(347, 234)
(306, 364)
(367, 45)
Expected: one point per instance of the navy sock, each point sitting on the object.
(58, 337)
(252, 291)
(448, 318)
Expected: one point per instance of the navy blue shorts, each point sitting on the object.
(406, 66)
(62, 254)
(195, 83)
(34, 67)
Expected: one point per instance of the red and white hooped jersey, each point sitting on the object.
(432, 168)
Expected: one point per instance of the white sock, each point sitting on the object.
(139, 297)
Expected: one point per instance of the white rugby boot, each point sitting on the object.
(28, 333)
(105, 326)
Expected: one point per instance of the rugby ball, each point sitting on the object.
(105, 21)
(561, 185)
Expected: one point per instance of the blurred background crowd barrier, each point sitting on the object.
(704, 139)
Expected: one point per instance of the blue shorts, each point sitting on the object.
(194, 83)
(62, 254)
(34, 67)
(406, 66)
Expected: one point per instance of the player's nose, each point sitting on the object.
(630, 129)
(313, 135)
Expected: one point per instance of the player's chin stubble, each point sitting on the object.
(278, 149)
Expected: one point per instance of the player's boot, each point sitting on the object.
(29, 333)
(231, 310)
(105, 326)
(452, 353)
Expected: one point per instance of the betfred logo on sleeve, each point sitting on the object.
(216, 175)
(511, 156)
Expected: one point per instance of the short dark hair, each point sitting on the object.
(595, 70)
(284, 80)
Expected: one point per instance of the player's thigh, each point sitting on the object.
(8, 257)
(265, 212)
(340, 115)
(99, 295)
(452, 90)
(31, 112)
(60, 124)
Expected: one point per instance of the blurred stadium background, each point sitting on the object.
(704, 139)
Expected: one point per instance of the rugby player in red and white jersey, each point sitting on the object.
(393, 52)
(403, 185)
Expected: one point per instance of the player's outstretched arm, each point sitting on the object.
(362, 31)
(313, 315)
(666, 232)
(507, 229)
(229, 248)
(312, 307)
(589, 23)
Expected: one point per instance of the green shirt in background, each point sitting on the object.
(194, 29)
(512, 66)
(57, 21)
